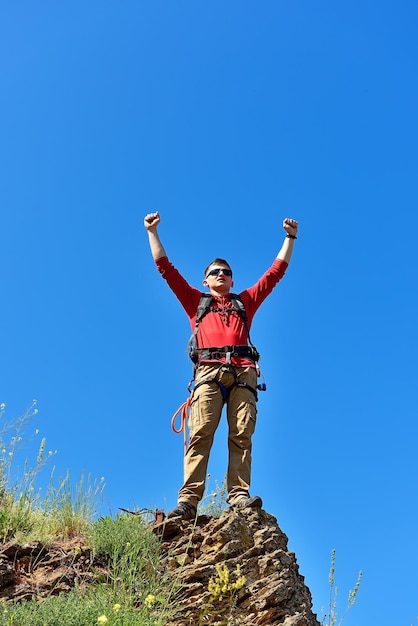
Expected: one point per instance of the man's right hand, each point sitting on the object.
(151, 221)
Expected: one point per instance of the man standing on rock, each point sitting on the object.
(226, 367)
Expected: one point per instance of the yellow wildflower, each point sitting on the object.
(220, 585)
(117, 608)
(102, 619)
(150, 600)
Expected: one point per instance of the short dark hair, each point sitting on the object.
(218, 262)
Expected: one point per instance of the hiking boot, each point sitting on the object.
(184, 510)
(249, 503)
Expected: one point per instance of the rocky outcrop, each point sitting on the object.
(273, 593)
(36, 571)
(274, 590)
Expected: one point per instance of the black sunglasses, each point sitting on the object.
(218, 270)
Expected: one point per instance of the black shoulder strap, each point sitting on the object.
(239, 307)
(203, 307)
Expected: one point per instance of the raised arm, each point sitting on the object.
(151, 222)
(291, 228)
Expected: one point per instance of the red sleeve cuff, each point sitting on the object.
(279, 263)
(162, 263)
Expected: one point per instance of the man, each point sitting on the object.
(226, 368)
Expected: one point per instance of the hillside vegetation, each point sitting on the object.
(125, 586)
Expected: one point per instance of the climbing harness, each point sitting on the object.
(184, 410)
(226, 390)
(216, 353)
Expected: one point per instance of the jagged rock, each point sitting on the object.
(274, 593)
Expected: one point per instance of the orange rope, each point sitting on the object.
(183, 411)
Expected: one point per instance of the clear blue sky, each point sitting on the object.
(226, 117)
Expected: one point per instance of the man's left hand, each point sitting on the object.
(290, 226)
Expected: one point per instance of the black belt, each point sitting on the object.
(248, 352)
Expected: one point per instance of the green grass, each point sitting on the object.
(130, 591)
(74, 609)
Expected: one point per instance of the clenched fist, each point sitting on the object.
(151, 221)
(290, 226)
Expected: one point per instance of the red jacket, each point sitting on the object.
(222, 328)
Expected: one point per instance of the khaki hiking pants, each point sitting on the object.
(205, 414)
